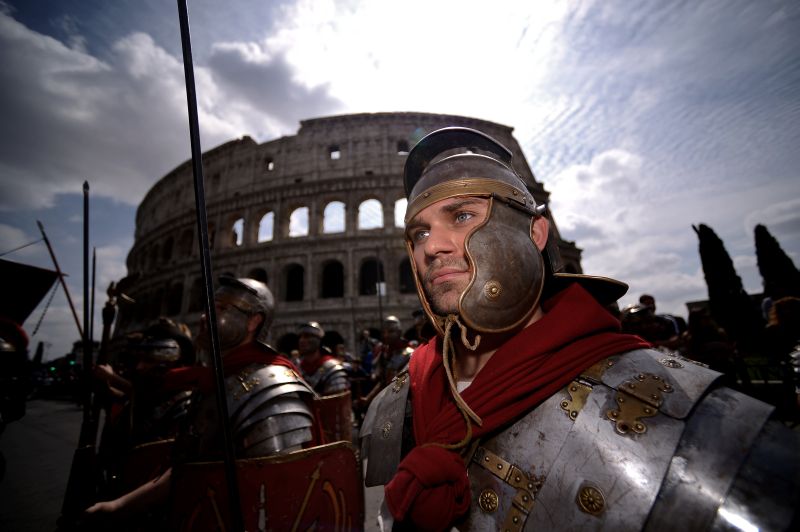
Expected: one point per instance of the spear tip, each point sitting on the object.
(86, 186)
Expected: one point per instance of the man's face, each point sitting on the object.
(307, 343)
(437, 234)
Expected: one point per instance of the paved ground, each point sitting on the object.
(38, 451)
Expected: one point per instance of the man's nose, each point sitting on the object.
(440, 242)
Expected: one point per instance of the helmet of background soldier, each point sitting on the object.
(313, 328)
(508, 272)
(163, 351)
(391, 323)
(249, 297)
(165, 328)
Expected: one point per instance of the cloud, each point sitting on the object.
(121, 122)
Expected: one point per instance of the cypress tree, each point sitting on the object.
(730, 305)
(778, 272)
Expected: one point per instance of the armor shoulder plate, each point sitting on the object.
(332, 378)
(382, 431)
(687, 382)
(268, 408)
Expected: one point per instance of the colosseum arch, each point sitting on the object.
(185, 243)
(370, 214)
(196, 295)
(166, 250)
(370, 274)
(400, 207)
(333, 217)
(266, 227)
(154, 263)
(174, 299)
(237, 232)
(294, 276)
(406, 277)
(298, 222)
(332, 278)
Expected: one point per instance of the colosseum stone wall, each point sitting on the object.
(317, 216)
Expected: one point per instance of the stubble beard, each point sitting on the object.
(443, 297)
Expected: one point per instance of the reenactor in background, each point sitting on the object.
(393, 354)
(269, 403)
(323, 371)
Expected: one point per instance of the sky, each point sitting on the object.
(641, 119)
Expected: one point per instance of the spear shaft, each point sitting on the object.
(237, 521)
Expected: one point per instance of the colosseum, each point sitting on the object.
(318, 216)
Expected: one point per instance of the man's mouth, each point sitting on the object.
(443, 275)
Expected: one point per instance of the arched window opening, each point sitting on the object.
(154, 262)
(237, 232)
(400, 207)
(334, 152)
(174, 299)
(332, 280)
(196, 296)
(370, 214)
(407, 285)
(269, 164)
(298, 222)
(185, 243)
(402, 147)
(166, 250)
(370, 275)
(333, 218)
(259, 274)
(295, 281)
(265, 227)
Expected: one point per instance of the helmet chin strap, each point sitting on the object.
(447, 355)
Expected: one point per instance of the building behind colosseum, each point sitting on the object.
(318, 216)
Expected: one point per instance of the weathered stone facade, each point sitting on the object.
(327, 274)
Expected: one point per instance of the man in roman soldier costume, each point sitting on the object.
(323, 371)
(394, 351)
(268, 401)
(530, 409)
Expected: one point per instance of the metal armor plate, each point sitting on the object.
(382, 431)
(312, 489)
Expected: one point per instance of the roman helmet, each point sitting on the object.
(165, 351)
(509, 273)
(250, 297)
(313, 328)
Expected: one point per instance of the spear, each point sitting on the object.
(237, 520)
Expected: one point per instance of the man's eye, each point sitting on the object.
(420, 235)
(462, 217)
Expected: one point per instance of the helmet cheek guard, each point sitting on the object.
(508, 272)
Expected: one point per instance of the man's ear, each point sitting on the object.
(254, 322)
(540, 229)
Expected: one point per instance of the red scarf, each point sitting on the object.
(310, 367)
(431, 488)
(202, 378)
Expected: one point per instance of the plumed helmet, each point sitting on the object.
(508, 271)
(313, 328)
(252, 297)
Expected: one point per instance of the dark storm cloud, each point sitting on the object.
(245, 73)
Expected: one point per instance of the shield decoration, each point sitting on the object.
(311, 489)
(335, 415)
